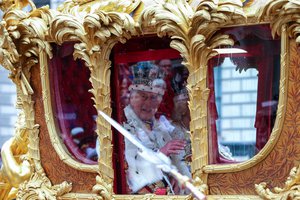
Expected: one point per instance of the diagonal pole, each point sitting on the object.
(159, 159)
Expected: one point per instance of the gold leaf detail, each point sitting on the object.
(194, 35)
(38, 187)
(283, 12)
(291, 190)
(103, 188)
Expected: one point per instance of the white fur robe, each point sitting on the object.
(141, 172)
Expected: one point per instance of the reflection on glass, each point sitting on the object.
(72, 104)
(153, 107)
(244, 95)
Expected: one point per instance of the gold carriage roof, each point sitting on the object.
(136, 7)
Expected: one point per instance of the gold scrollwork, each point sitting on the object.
(22, 39)
(102, 188)
(278, 126)
(6, 5)
(191, 32)
(262, 164)
(283, 12)
(285, 18)
(194, 34)
(8, 52)
(37, 187)
(16, 167)
(292, 184)
(63, 28)
(90, 6)
(291, 189)
(104, 30)
(97, 34)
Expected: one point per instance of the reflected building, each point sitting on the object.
(236, 96)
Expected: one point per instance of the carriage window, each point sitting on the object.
(244, 85)
(72, 104)
(151, 102)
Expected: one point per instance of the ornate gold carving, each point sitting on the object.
(38, 187)
(28, 31)
(104, 30)
(8, 52)
(277, 129)
(276, 165)
(5, 5)
(57, 143)
(283, 12)
(76, 7)
(194, 35)
(199, 184)
(80, 196)
(97, 34)
(94, 49)
(21, 153)
(102, 188)
(63, 28)
(16, 169)
(289, 191)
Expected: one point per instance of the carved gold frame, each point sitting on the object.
(278, 22)
(278, 125)
(56, 141)
(22, 38)
(97, 31)
(173, 18)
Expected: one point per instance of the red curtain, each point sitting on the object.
(263, 120)
(73, 107)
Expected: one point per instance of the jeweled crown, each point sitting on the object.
(147, 77)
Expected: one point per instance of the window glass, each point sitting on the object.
(244, 85)
(72, 105)
(151, 101)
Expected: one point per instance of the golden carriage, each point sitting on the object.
(39, 164)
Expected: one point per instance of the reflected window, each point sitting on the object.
(72, 104)
(151, 102)
(244, 90)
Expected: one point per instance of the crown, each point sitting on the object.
(147, 77)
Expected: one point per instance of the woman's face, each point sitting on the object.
(182, 107)
(145, 104)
